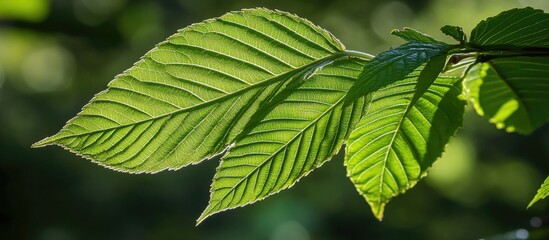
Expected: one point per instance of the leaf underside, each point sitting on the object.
(398, 139)
(304, 129)
(511, 92)
(189, 97)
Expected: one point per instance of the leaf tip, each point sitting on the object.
(395, 31)
(44, 142)
(534, 201)
(378, 210)
(205, 214)
(199, 221)
(377, 207)
(399, 31)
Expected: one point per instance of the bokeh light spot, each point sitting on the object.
(522, 234)
(389, 16)
(95, 12)
(513, 181)
(148, 17)
(456, 164)
(536, 222)
(540, 4)
(28, 10)
(290, 230)
(48, 69)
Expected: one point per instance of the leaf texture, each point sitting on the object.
(525, 27)
(189, 97)
(302, 130)
(511, 92)
(398, 139)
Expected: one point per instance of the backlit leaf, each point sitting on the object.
(403, 132)
(525, 27)
(542, 193)
(304, 129)
(189, 97)
(511, 91)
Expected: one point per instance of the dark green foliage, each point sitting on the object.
(455, 32)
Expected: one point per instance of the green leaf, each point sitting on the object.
(394, 65)
(302, 130)
(403, 132)
(542, 193)
(412, 35)
(511, 92)
(455, 32)
(188, 98)
(525, 27)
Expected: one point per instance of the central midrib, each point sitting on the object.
(281, 77)
(282, 147)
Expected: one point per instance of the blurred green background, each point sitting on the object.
(55, 54)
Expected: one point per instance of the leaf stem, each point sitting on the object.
(352, 53)
(487, 54)
(500, 51)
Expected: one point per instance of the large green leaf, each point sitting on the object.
(525, 27)
(302, 130)
(542, 193)
(189, 97)
(511, 91)
(403, 132)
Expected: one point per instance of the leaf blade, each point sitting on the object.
(398, 139)
(511, 92)
(163, 113)
(304, 139)
(524, 27)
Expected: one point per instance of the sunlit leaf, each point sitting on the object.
(512, 92)
(304, 128)
(403, 132)
(525, 27)
(542, 193)
(189, 97)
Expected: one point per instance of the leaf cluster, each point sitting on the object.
(278, 96)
